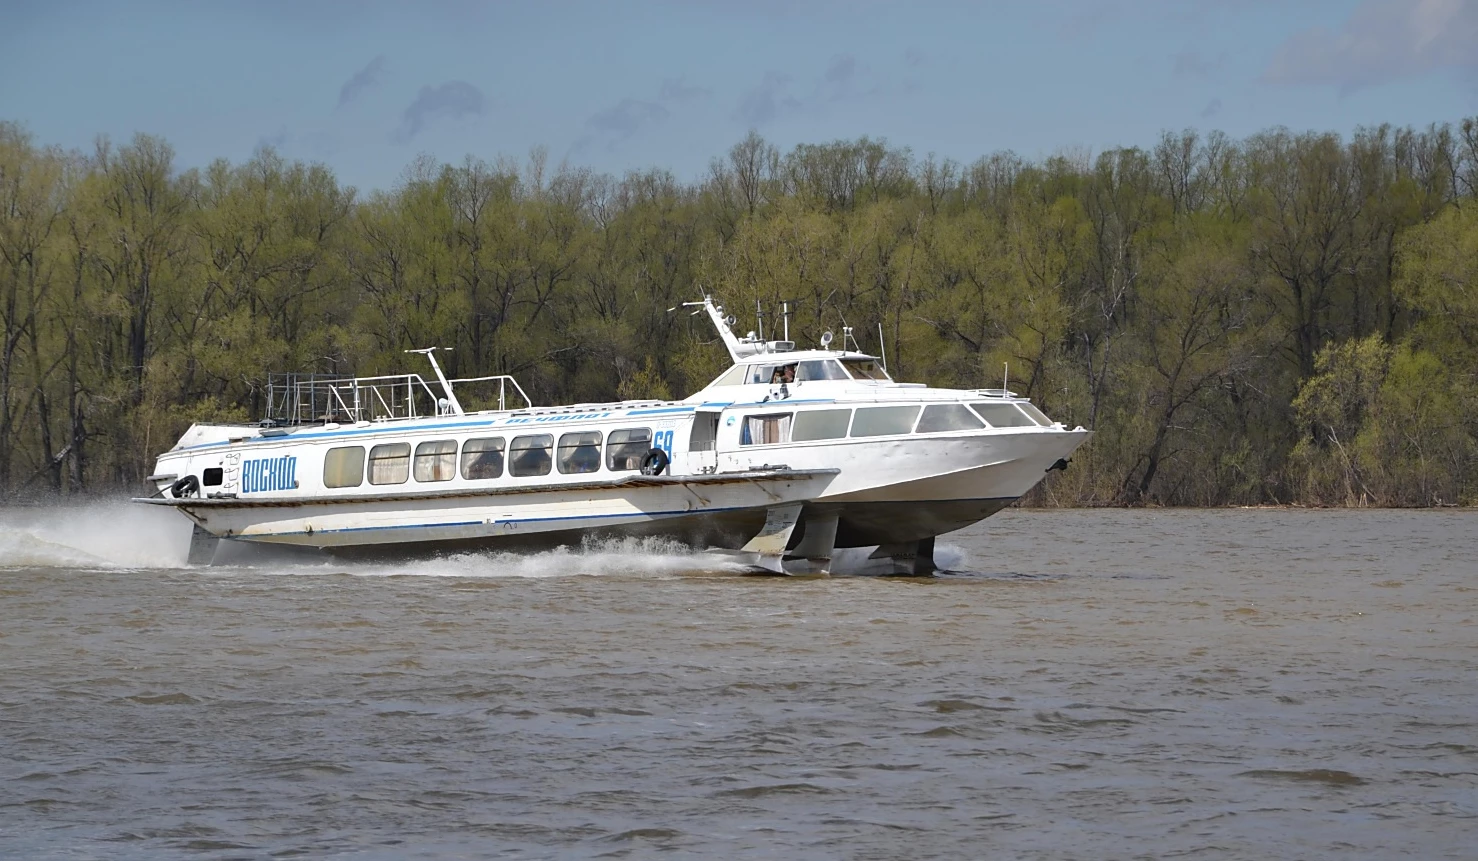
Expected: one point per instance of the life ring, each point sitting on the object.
(654, 462)
(187, 486)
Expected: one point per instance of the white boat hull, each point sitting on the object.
(911, 491)
(716, 510)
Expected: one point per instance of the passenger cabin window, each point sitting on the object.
(436, 460)
(482, 458)
(765, 430)
(881, 421)
(579, 452)
(1036, 415)
(773, 374)
(820, 370)
(529, 455)
(212, 476)
(820, 424)
(390, 463)
(1003, 415)
(948, 417)
(865, 369)
(625, 448)
(344, 467)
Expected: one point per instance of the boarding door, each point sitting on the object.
(702, 450)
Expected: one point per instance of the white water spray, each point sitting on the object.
(123, 536)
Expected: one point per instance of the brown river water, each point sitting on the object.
(1085, 684)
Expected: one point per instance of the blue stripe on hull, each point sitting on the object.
(495, 523)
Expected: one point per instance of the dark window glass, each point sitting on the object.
(864, 369)
(820, 424)
(948, 417)
(212, 476)
(482, 458)
(1037, 415)
(882, 421)
(530, 455)
(825, 369)
(626, 447)
(1004, 415)
(579, 452)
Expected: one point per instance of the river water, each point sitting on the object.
(1090, 684)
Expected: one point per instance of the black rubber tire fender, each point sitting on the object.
(654, 462)
(187, 486)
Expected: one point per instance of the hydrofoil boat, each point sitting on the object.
(785, 457)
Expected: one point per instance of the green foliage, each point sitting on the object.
(1386, 426)
(1288, 318)
(1335, 405)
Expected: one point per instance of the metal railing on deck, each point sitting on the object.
(314, 398)
(476, 393)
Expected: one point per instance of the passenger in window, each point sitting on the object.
(778, 377)
(789, 374)
(533, 461)
(585, 459)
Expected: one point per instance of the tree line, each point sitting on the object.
(1286, 318)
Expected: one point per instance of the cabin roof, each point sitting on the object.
(789, 356)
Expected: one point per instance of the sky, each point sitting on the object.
(368, 87)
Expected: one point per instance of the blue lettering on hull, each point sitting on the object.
(273, 473)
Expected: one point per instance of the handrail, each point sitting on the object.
(312, 398)
(503, 380)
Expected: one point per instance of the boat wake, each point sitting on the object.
(624, 557)
(93, 535)
(121, 536)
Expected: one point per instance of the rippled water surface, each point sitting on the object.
(1091, 684)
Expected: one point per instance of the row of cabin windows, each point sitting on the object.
(882, 421)
(483, 458)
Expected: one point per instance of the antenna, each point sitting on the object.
(759, 314)
(785, 315)
(451, 398)
(883, 347)
(1005, 379)
(720, 322)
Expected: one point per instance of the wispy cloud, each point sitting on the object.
(773, 97)
(840, 78)
(677, 90)
(767, 100)
(452, 100)
(1382, 40)
(618, 123)
(275, 141)
(362, 80)
(628, 117)
(1192, 64)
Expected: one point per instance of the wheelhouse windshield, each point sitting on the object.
(819, 370)
(866, 369)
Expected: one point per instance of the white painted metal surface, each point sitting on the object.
(781, 428)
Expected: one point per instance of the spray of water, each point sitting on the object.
(121, 535)
(92, 535)
(626, 557)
